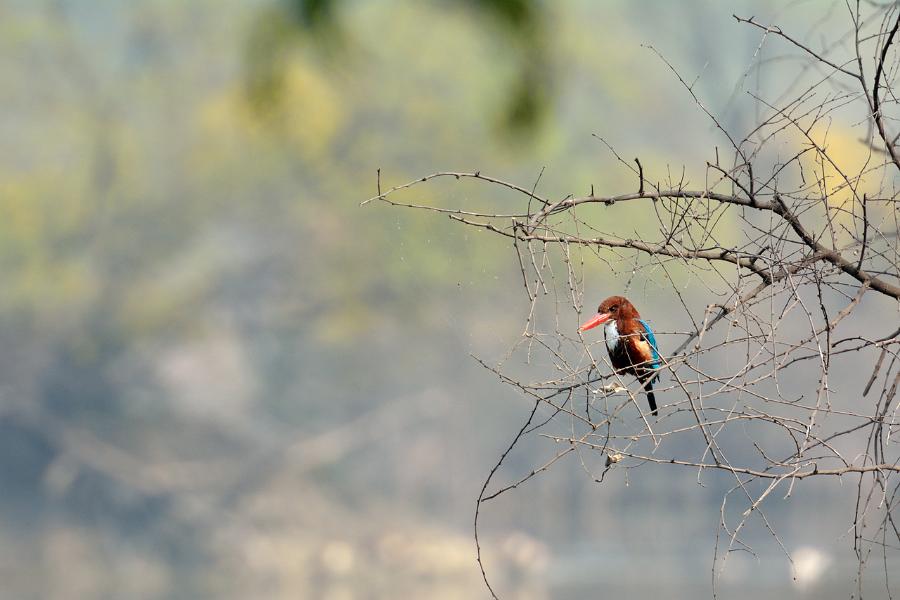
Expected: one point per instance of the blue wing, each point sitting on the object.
(652, 339)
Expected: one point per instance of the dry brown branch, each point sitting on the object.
(794, 257)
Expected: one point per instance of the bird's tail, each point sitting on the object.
(648, 387)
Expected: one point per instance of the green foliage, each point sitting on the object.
(281, 28)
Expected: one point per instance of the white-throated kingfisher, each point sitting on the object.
(630, 342)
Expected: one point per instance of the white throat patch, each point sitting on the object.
(611, 334)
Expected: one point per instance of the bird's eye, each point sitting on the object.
(614, 308)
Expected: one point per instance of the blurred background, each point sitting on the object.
(223, 378)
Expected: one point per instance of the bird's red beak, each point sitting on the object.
(598, 319)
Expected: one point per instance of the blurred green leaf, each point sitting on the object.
(280, 26)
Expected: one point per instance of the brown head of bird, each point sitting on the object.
(613, 308)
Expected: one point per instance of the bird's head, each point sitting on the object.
(612, 309)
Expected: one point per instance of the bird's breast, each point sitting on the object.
(611, 335)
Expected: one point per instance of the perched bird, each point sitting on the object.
(630, 342)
